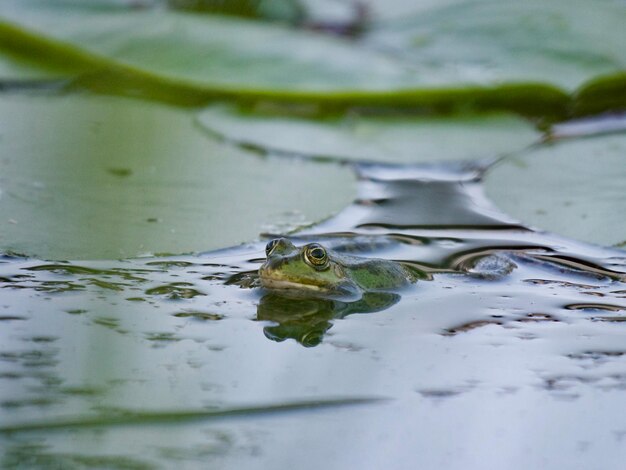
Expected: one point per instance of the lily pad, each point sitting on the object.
(575, 188)
(192, 58)
(204, 51)
(94, 177)
(562, 42)
(605, 93)
(399, 139)
(12, 70)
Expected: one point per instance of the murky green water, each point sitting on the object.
(173, 361)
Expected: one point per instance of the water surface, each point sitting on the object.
(468, 368)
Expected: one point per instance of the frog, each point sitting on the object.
(314, 269)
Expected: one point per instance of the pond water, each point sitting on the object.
(178, 361)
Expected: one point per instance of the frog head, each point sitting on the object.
(310, 268)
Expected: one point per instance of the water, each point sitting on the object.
(156, 362)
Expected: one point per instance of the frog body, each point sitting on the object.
(313, 268)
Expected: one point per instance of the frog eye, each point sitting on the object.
(270, 246)
(316, 254)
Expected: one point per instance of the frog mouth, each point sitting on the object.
(272, 283)
(271, 279)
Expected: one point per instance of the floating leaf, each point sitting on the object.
(179, 191)
(602, 94)
(189, 58)
(562, 42)
(389, 138)
(205, 51)
(574, 188)
(13, 69)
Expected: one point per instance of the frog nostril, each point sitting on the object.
(269, 248)
(279, 246)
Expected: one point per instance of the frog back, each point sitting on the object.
(376, 274)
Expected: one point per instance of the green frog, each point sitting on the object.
(314, 269)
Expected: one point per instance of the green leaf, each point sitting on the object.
(602, 94)
(574, 188)
(188, 58)
(109, 178)
(399, 139)
(207, 50)
(14, 69)
(562, 42)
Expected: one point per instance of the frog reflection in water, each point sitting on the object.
(306, 319)
(309, 286)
